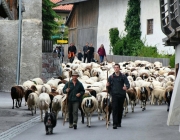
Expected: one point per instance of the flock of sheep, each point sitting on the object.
(148, 82)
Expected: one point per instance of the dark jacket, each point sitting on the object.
(117, 84)
(85, 49)
(91, 51)
(72, 49)
(80, 55)
(78, 88)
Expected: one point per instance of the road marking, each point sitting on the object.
(14, 131)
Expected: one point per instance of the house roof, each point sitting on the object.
(69, 1)
(62, 7)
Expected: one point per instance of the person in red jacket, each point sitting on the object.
(102, 53)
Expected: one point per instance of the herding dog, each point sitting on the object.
(49, 122)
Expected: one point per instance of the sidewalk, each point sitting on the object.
(12, 117)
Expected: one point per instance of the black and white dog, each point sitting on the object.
(49, 122)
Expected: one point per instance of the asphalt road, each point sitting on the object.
(147, 125)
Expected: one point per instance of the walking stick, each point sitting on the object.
(107, 109)
(66, 102)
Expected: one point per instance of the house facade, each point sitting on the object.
(111, 14)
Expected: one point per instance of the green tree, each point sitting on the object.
(132, 20)
(48, 19)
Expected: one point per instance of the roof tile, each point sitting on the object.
(64, 7)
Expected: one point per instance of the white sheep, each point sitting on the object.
(157, 94)
(56, 104)
(89, 105)
(32, 102)
(38, 81)
(27, 84)
(53, 82)
(44, 102)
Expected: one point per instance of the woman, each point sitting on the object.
(102, 53)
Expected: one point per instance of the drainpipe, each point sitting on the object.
(19, 43)
(7, 10)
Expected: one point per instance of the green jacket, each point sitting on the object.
(78, 88)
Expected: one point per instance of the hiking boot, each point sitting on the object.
(114, 126)
(70, 125)
(75, 126)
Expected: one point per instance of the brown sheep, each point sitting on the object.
(17, 92)
(132, 97)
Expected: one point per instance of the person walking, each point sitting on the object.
(85, 50)
(102, 53)
(71, 52)
(56, 50)
(117, 85)
(75, 91)
(61, 49)
(90, 54)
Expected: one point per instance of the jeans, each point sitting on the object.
(73, 112)
(101, 58)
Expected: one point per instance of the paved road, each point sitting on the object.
(147, 125)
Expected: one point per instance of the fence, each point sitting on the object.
(47, 46)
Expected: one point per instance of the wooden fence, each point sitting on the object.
(47, 46)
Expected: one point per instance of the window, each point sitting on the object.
(149, 26)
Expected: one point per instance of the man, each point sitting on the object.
(85, 50)
(71, 52)
(117, 85)
(75, 91)
(90, 54)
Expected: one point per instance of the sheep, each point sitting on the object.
(126, 103)
(37, 81)
(52, 94)
(32, 102)
(44, 102)
(17, 92)
(64, 107)
(157, 94)
(46, 88)
(143, 96)
(168, 95)
(27, 84)
(56, 104)
(106, 106)
(89, 105)
(28, 91)
(53, 82)
(99, 98)
(132, 97)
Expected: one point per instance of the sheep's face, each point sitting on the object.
(89, 103)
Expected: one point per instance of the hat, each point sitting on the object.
(75, 73)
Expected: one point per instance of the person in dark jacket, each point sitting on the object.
(102, 53)
(90, 54)
(56, 50)
(75, 91)
(79, 55)
(117, 85)
(71, 52)
(85, 50)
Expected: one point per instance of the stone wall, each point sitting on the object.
(31, 46)
(50, 66)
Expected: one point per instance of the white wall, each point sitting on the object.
(174, 112)
(150, 10)
(111, 14)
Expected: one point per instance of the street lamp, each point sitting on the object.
(62, 28)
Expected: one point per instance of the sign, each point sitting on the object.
(55, 36)
(62, 41)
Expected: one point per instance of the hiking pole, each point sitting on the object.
(66, 102)
(107, 109)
